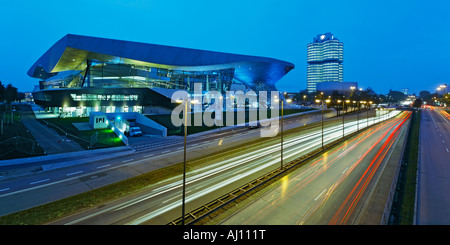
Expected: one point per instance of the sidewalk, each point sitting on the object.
(48, 138)
(23, 166)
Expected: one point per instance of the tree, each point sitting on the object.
(10, 93)
(336, 101)
(20, 96)
(2, 92)
(417, 103)
(396, 96)
(445, 99)
(301, 96)
(425, 95)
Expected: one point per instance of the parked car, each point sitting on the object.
(135, 131)
(258, 125)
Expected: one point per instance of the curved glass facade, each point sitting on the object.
(112, 75)
(83, 74)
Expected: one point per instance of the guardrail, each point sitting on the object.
(119, 134)
(389, 200)
(22, 144)
(210, 208)
(68, 135)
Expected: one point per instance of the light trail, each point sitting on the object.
(258, 160)
(223, 173)
(346, 209)
(310, 203)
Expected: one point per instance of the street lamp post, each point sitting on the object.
(282, 128)
(343, 116)
(184, 162)
(442, 87)
(282, 124)
(357, 115)
(367, 112)
(318, 101)
(339, 101)
(184, 157)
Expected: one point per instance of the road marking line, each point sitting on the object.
(4, 189)
(320, 194)
(443, 141)
(128, 160)
(168, 200)
(446, 149)
(104, 166)
(165, 152)
(345, 170)
(39, 181)
(149, 155)
(79, 172)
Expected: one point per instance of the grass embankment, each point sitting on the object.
(15, 140)
(165, 120)
(402, 212)
(105, 137)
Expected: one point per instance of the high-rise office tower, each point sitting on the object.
(325, 58)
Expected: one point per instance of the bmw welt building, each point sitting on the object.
(82, 74)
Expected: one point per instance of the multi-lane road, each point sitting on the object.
(160, 203)
(433, 192)
(72, 173)
(333, 188)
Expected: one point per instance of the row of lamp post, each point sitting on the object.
(358, 104)
(343, 106)
(319, 101)
(322, 101)
(186, 101)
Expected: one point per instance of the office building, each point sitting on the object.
(82, 74)
(325, 57)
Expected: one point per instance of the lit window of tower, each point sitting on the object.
(325, 57)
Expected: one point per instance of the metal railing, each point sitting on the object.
(210, 208)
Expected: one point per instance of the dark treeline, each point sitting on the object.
(9, 93)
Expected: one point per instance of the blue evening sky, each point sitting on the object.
(387, 44)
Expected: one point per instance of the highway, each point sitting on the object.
(76, 172)
(333, 188)
(433, 199)
(161, 203)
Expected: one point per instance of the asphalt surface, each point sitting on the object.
(333, 188)
(40, 180)
(48, 138)
(25, 191)
(160, 203)
(433, 195)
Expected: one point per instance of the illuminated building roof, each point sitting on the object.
(72, 51)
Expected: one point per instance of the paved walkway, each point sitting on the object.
(48, 138)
